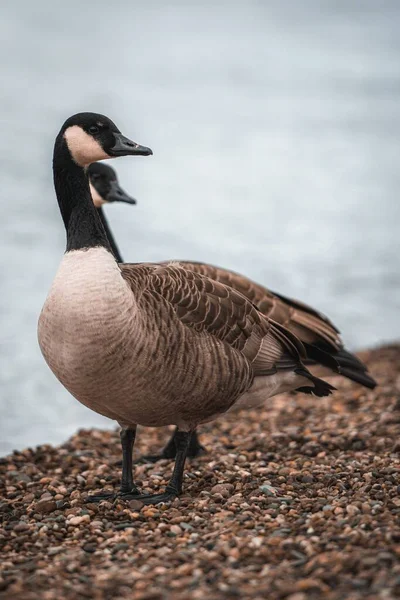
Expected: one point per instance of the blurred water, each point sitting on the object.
(275, 128)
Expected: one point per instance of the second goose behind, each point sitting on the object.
(324, 347)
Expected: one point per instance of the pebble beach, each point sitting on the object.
(297, 500)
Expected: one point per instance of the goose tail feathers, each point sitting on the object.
(351, 367)
(341, 362)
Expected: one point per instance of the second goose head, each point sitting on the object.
(104, 186)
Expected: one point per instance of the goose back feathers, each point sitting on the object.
(320, 337)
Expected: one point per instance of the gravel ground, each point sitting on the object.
(299, 501)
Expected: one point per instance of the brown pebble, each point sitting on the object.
(21, 527)
(135, 504)
(310, 584)
(76, 521)
(175, 529)
(45, 506)
(29, 498)
(352, 510)
(225, 489)
(55, 550)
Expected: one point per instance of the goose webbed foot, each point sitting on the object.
(101, 496)
(157, 498)
(169, 452)
(133, 492)
(166, 496)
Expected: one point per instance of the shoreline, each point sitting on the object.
(297, 500)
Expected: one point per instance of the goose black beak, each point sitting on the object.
(117, 194)
(125, 147)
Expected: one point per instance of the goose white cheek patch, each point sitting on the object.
(97, 199)
(83, 147)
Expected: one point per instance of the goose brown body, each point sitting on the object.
(159, 344)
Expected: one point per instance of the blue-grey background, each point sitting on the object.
(275, 128)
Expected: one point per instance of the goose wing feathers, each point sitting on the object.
(214, 308)
(309, 325)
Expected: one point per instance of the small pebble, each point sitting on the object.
(76, 521)
(175, 529)
(135, 504)
(45, 506)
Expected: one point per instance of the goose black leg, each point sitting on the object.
(127, 441)
(174, 487)
(195, 449)
(127, 436)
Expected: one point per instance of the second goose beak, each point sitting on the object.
(117, 194)
(124, 146)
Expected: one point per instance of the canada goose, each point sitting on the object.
(151, 344)
(319, 336)
(105, 189)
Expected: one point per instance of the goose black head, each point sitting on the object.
(104, 185)
(91, 137)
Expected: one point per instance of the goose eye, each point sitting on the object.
(93, 129)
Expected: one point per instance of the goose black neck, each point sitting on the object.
(82, 223)
(110, 237)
